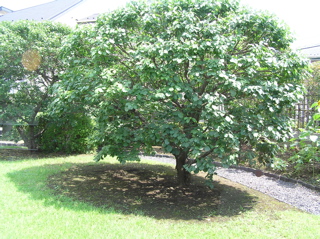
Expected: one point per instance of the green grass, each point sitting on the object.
(29, 209)
(12, 147)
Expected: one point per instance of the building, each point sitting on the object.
(4, 11)
(70, 12)
(51, 11)
(88, 20)
(312, 52)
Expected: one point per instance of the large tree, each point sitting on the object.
(202, 78)
(29, 67)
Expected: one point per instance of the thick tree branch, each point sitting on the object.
(205, 154)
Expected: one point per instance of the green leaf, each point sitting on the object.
(316, 117)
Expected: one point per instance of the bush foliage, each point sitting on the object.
(68, 133)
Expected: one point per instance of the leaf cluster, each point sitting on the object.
(24, 92)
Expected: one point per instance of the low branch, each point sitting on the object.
(137, 113)
(205, 154)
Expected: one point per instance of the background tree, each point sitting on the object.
(29, 67)
(200, 78)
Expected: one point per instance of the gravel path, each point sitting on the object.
(290, 193)
(294, 194)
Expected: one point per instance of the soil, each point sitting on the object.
(150, 190)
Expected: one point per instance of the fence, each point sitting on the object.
(302, 112)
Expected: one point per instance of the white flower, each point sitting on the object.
(313, 138)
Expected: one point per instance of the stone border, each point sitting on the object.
(257, 172)
(10, 144)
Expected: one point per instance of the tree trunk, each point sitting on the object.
(184, 176)
(27, 133)
(32, 139)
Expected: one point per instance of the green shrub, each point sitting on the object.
(68, 133)
(307, 144)
(279, 164)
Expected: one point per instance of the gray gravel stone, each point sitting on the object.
(291, 193)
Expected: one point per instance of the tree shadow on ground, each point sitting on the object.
(136, 188)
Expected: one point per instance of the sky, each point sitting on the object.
(302, 17)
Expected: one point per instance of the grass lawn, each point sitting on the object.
(12, 147)
(70, 197)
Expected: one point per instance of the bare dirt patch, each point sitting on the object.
(151, 190)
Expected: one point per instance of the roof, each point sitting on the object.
(47, 11)
(88, 11)
(312, 52)
(90, 19)
(70, 12)
(4, 10)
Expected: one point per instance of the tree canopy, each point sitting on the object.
(29, 67)
(203, 79)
